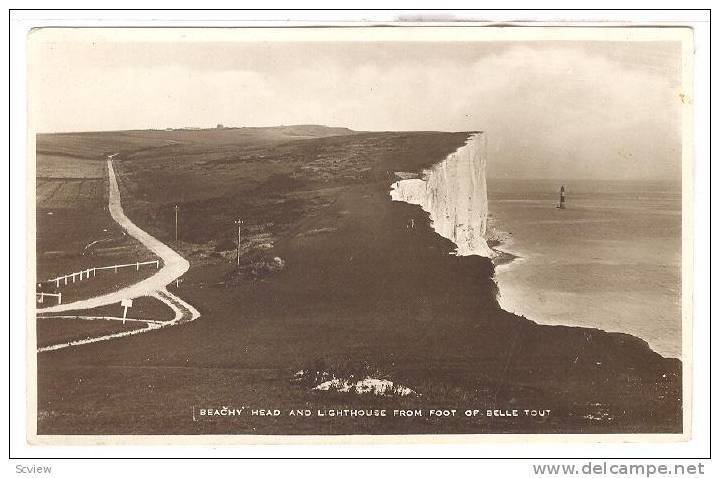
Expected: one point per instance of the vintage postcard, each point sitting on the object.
(260, 235)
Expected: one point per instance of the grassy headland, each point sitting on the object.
(355, 293)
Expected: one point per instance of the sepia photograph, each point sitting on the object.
(265, 234)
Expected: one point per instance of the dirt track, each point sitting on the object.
(174, 266)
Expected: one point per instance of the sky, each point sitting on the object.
(550, 109)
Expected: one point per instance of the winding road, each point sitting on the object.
(174, 266)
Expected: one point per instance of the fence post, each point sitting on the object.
(65, 280)
(93, 272)
(57, 283)
(116, 268)
(59, 298)
(137, 266)
(41, 297)
(157, 264)
(73, 276)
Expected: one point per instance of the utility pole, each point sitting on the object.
(176, 222)
(239, 224)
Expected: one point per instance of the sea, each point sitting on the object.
(610, 260)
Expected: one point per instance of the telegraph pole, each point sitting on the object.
(176, 222)
(239, 224)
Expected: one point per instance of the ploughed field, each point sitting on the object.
(332, 283)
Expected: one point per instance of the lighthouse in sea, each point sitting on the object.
(562, 197)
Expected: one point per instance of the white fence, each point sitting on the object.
(93, 270)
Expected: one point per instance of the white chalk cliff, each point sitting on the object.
(454, 192)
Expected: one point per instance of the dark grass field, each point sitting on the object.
(54, 331)
(358, 294)
(148, 308)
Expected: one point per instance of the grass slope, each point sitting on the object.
(358, 294)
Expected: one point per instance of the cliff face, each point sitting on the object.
(454, 192)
